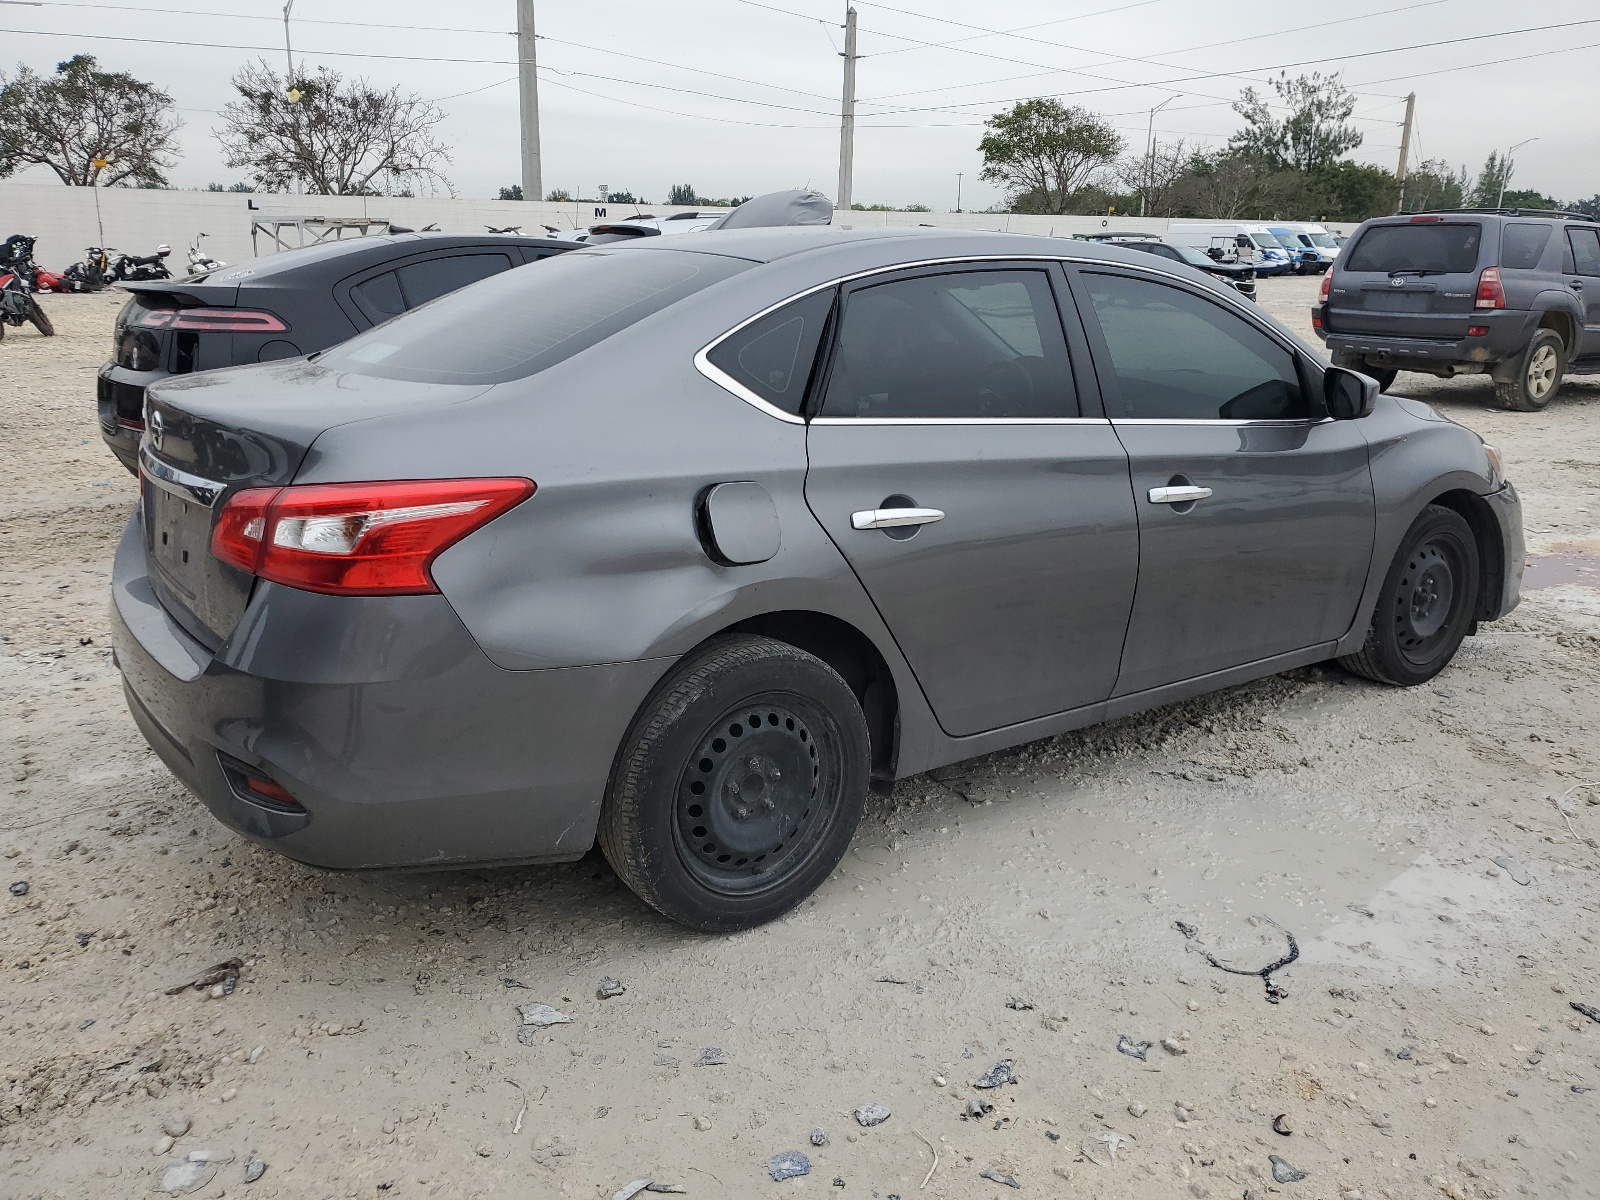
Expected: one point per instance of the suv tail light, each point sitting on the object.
(222, 320)
(357, 539)
(1490, 293)
(1322, 298)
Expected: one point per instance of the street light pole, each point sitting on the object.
(1150, 152)
(958, 191)
(1505, 169)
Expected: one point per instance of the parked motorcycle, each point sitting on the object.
(94, 273)
(132, 268)
(17, 304)
(199, 261)
(16, 253)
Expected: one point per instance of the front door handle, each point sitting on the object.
(894, 518)
(1178, 495)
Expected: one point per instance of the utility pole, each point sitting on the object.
(1405, 150)
(958, 190)
(1150, 152)
(847, 112)
(527, 71)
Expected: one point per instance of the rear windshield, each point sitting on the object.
(1435, 249)
(526, 320)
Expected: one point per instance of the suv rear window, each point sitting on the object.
(1436, 249)
(524, 321)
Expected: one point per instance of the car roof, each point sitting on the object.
(352, 254)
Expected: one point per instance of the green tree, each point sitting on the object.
(1528, 198)
(1043, 149)
(556, 196)
(330, 137)
(1589, 208)
(1435, 185)
(1315, 132)
(1356, 191)
(1229, 185)
(1491, 182)
(514, 192)
(682, 194)
(84, 115)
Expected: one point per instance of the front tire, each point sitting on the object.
(739, 785)
(1538, 373)
(40, 318)
(1426, 605)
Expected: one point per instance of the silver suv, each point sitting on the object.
(1511, 292)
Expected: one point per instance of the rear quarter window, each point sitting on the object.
(1450, 248)
(518, 323)
(1522, 246)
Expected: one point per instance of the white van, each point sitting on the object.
(1249, 241)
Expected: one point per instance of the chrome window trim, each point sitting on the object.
(182, 484)
(722, 379)
(1273, 422)
(959, 421)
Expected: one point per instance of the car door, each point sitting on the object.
(1255, 517)
(1584, 279)
(985, 513)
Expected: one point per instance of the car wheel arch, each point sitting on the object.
(857, 659)
(1564, 324)
(1474, 509)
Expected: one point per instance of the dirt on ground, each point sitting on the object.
(1430, 853)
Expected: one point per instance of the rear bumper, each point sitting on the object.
(119, 404)
(403, 744)
(1506, 337)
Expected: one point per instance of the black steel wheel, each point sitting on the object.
(739, 786)
(1426, 605)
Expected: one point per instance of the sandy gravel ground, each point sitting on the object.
(1023, 907)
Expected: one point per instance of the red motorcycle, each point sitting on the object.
(17, 304)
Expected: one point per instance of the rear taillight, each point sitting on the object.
(1427, 220)
(1326, 289)
(221, 320)
(357, 539)
(1490, 293)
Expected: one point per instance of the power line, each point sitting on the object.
(1169, 83)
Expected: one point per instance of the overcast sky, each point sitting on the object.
(739, 97)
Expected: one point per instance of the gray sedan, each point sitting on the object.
(682, 546)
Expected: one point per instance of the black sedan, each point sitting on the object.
(1240, 276)
(290, 304)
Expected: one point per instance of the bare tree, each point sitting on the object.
(329, 136)
(85, 116)
(1043, 148)
(1228, 186)
(1154, 176)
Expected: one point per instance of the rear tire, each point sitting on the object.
(1538, 373)
(1426, 605)
(739, 785)
(1384, 375)
(40, 318)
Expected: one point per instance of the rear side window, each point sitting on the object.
(1522, 246)
(972, 344)
(433, 277)
(1585, 245)
(1437, 249)
(379, 298)
(1178, 357)
(773, 357)
(522, 322)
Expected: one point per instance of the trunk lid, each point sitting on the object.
(1408, 279)
(210, 435)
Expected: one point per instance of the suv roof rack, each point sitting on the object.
(1505, 212)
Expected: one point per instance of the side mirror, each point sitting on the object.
(1348, 394)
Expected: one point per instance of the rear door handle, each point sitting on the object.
(1576, 285)
(894, 518)
(1178, 495)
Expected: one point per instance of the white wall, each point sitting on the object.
(136, 220)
